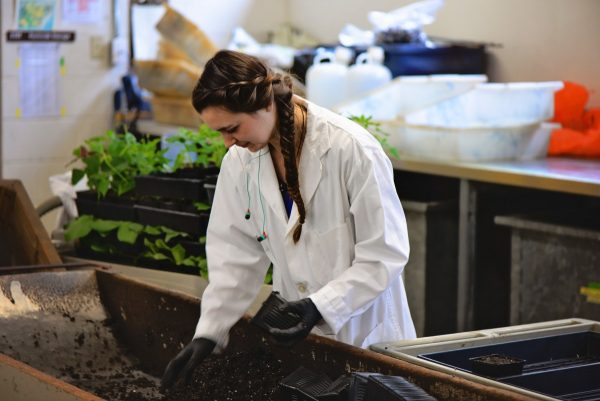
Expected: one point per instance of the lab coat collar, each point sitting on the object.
(316, 145)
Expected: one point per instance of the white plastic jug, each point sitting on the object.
(326, 81)
(367, 73)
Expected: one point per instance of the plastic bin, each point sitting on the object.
(555, 365)
(552, 258)
(430, 276)
(467, 144)
(555, 353)
(492, 104)
(408, 94)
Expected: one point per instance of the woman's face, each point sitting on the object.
(247, 130)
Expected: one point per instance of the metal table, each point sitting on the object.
(571, 176)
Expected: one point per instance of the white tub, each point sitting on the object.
(408, 94)
(526, 141)
(491, 104)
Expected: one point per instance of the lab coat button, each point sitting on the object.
(302, 287)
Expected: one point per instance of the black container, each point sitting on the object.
(358, 387)
(577, 383)
(497, 365)
(108, 208)
(573, 359)
(181, 184)
(541, 354)
(394, 388)
(303, 385)
(191, 223)
(264, 319)
(173, 188)
(338, 390)
(194, 248)
(210, 184)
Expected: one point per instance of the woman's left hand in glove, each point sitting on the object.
(303, 313)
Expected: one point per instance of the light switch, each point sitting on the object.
(98, 48)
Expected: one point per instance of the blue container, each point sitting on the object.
(418, 59)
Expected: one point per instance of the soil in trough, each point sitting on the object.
(84, 352)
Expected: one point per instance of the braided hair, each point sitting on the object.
(243, 84)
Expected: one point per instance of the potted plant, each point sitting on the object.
(199, 159)
(111, 162)
(132, 243)
(177, 198)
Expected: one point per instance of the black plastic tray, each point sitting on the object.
(106, 208)
(194, 224)
(556, 365)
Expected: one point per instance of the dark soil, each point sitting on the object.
(496, 359)
(81, 349)
(253, 375)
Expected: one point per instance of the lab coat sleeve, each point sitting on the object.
(381, 241)
(237, 263)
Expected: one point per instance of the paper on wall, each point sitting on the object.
(36, 14)
(39, 76)
(81, 11)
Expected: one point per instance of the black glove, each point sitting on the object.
(186, 361)
(303, 314)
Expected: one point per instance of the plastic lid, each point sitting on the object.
(343, 55)
(376, 54)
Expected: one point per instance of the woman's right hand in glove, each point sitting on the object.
(186, 361)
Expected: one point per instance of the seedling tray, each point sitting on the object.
(183, 184)
(191, 223)
(174, 188)
(105, 208)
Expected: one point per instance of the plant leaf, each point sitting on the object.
(77, 175)
(128, 232)
(178, 252)
(79, 228)
(104, 226)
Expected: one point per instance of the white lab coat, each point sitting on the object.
(353, 247)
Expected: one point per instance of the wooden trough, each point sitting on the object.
(52, 319)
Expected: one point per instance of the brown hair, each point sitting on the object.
(243, 84)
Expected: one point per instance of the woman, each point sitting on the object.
(309, 191)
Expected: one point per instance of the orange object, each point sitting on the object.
(580, 135)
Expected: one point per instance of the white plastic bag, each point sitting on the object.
(409, 19)
(61, 186)
(275, 55)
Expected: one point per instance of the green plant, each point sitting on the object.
(157, 240)
(375, 129)
(201, 206)
(112, 161)
(206, 144)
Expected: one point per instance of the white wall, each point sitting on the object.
(217, 18)
(542, 39)
(35, 148)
